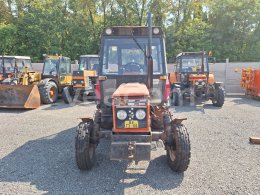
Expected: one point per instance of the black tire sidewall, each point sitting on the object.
(45, 95)
(182, 148)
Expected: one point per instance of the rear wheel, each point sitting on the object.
(67, 95)
(219, 97)
(85, 150)
(49, 93)
(178, 150)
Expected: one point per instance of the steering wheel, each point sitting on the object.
(133, 67)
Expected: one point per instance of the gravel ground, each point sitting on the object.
(37, 154)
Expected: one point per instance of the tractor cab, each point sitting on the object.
(57, 68)
(192, 62)
(11, 66)
(89, 62)
(124, 59)
(192, 68)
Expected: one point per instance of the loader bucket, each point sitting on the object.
(19, 96)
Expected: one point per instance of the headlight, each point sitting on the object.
(197, 83)
(156, 31)
(108, 31)
(121, 114)
(140, 114)
(203, 83)
(82, 82)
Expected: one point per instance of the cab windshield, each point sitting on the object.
(89, 63)
(127, 56)
(51, 67)
(11, 63)
(193, 64)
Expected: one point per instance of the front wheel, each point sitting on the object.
(175, 98)
(219, 97)
(178, 151)
(85, 150)
(49, 92)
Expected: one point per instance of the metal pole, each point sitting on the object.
(150, 58)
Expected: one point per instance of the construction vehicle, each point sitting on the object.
(10, 66)
(28, 88)
(132, 109)
(192, 80)
(17, 89)
(56, 75)
(251, 82)
(83, 80)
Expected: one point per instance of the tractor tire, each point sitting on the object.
(175, 99)
(49, 93)
(178, 153)
(220, 97)
(67, 95)
(85, 150)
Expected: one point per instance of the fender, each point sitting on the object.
(218, 84)
(175, 85)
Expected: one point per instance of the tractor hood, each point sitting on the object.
(197, 77)
(131, 89)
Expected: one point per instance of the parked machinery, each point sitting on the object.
(11, 66)
(28, 88)
(56, 75)
(17, 88)
(251, 82)
(131, 110)
(89, 62)
(83, 80)
(192, 79)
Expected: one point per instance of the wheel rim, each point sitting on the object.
(52, 92)
(172, 154)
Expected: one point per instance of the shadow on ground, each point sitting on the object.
(61, 105)
(247, 100)
(49, 164)
(14, 110)
(199, 106)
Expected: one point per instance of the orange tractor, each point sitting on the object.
(132, 108)
(192, 79)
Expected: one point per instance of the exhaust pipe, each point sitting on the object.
(149, 56)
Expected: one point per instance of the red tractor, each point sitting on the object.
(132, 109)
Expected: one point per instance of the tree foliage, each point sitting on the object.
(229, 28)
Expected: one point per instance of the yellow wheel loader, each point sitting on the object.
(17, 89)
(56, 76)
(26, 88)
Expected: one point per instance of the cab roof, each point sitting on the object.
(191, 54)
(132, 31)
(18, 57)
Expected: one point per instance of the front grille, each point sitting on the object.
(131, 114)
(78, 82)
